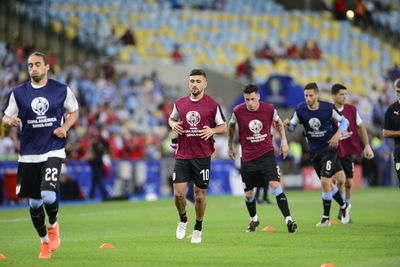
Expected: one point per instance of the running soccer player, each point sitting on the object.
(38, 107)
(258, 164)
(391, 127)
(195, 119)
(349, 144)
(317, 119)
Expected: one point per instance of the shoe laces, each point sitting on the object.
(182, 226)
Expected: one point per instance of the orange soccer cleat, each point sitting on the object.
(45, 252)
(54, 237)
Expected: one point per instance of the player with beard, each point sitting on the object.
(323, 139)
(258, 164)
(195, 119)
(38, 107)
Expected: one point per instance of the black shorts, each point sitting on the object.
(325, 163)
(32, 178)
(196, 170)
(258, 172)
(347, 165)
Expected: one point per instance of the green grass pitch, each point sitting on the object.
(143, 234)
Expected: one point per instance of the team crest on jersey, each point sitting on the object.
(193, 118)
(314, 124)
(40, 105)
(255, 126)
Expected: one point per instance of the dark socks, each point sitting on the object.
(183, 217)
(283, 204)
(327, 207)
(37, 216)
(52, 210)
(198, 226)
(251, 207)
(338, 198)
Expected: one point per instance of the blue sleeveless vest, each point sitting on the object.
(41, 111)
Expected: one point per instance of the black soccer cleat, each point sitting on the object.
(292, 226)
(252, 226)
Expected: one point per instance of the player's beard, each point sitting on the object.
(196, 92)
(37, 78)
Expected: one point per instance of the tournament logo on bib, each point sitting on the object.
(314, 124)
(193, 118)
(40, 105)
(255, 126)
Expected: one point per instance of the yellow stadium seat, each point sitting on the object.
(70, 32)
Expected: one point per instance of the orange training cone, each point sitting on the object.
(106, 245)
(327, 265)
(2, 256)
(333, 222)
(269, 228)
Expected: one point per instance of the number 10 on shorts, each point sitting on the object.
(206, 174)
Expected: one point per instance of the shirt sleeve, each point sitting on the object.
(295, 119)
(358, 119)
(70, 103)
(175, 114)
(336, 115)
(275, 117)
(12, 108)
(219, 116)
(233, 119)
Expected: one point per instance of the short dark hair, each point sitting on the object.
(198, 72)
(311, 86)
(250, 88)
(397, 83)
(40, 54)
(336, 88)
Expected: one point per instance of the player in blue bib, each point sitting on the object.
(323, 139)
(38, 108)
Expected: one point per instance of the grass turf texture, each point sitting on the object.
(143, 234)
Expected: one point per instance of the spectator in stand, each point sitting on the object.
(339, 9)
(266, 52)
(128, 38)
(311, 50)
(293, 52)
(280, 50)
(244, 71)
(176, 54)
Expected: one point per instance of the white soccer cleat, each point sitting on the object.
(196, 237)
(181, 230)
(346, 214)
(323, 223)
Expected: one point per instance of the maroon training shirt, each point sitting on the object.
(194, 116)
(254, 130)
(349, 142)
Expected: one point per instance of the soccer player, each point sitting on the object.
(316, 117)
(258, 164)
(391, 127)
(195, 119)
(349, 144)
(38, 107)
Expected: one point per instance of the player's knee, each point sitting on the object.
(35, 203)
(49, 197)
(199, 196)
